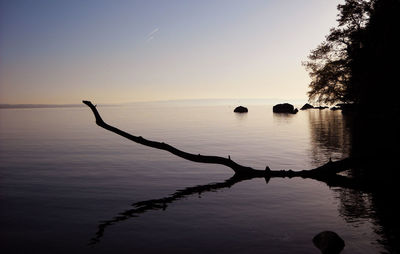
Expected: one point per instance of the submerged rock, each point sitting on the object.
(284, 108)
(240, 109)
(328, 242)
(306, 106)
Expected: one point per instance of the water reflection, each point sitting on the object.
(283, 118)
(330, 135)
(354, 205)
(162, 203)
(241, 116)
(357, 207)
(386, 211)
(334, 135)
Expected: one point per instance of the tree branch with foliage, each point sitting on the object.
(330, 65)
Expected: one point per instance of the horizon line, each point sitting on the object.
(63, 105)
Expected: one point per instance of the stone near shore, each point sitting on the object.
(241, 109)
(306, 106)
(328, 242)
(284, 108)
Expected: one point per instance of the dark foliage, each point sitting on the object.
(357, 62)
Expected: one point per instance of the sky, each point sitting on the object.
(60, 52)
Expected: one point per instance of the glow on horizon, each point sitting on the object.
(60, 52)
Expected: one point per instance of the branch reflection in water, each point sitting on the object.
(162, 203)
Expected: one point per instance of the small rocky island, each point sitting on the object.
(285, 108)
(306, 106)
(241, 109)
(309, 106)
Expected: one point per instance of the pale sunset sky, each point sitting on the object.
(60, 52)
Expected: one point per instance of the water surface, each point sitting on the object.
(64, 180)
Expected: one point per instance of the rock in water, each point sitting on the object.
(328, 242)
(240, 109)
(307, 106)
(284, 108)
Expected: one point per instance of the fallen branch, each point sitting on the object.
(327, 172)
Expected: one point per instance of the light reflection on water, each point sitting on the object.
(61, 176)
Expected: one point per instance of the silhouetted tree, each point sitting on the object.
(376, 64)
(354, 64)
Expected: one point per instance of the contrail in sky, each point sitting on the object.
(150, 36)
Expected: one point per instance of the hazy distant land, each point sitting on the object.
(193, 102)
(40, 105)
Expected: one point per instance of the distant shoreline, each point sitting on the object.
(14, 106)
(183, 102)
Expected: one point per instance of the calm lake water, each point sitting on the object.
(69, 186)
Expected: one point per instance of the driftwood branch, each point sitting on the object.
(163, 146)
(327, 172)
